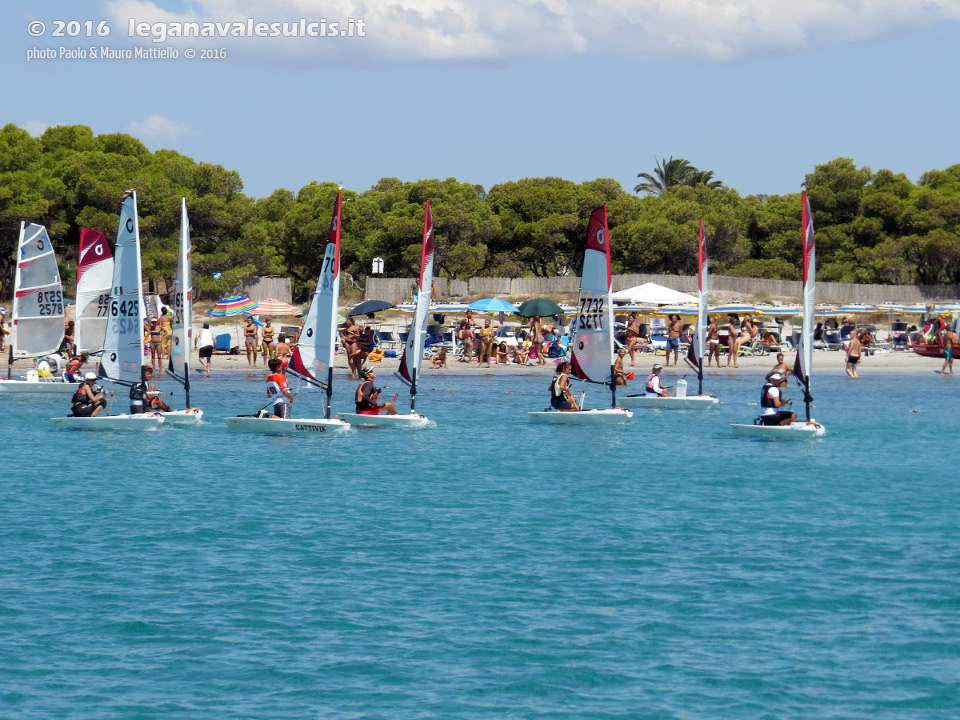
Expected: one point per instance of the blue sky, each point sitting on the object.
(759, 91)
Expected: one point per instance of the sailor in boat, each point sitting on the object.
(279, 390)
(89, 400)
(655, 388)
(49, 366)
(561, 397)
(144, 395)
(72, 373)
(772, 402)
(368, 397)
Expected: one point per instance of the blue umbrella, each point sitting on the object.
(492, 305)
(734, 308)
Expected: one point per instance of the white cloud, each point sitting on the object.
(158, 128)
(34, 127)
(443, 30)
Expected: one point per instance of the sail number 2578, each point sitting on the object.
(591, 314)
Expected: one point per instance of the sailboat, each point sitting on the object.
(313, 357)
(179, 368)
(803, 367)
(122, 360)
(412, 357)
(38, 314)
(94, 278)
(697, 348)
(592, 330)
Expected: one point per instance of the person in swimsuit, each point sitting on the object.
(632, 335)
(733, 349)
(748, 331)
(781, 369)
(156, 343)
(674, 326)
(503, 357)
(536, 330)
(561, 397)
(948, 338)
(72, 372)
(250, 340)
(282, 351)
(440, 359)
(520, 355)
(166, 328)
(349, 335)
(88, 400)
(469, 338)
(267, 342)
(853, 353)
(487, 335)
(368, 400)
(713, 340)
(619, 376)
(67, 345)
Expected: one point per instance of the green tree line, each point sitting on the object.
(872, 227)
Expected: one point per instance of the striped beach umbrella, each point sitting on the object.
(677, 310)
(276, 307)
(738, 308)
(233, 305)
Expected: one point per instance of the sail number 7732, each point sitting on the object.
(590, 314)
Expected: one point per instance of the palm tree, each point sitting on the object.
(668, 174)
(675, 173)
(702, 176)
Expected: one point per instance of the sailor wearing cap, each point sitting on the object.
(771, 400)
(88, 400)
(654, 387)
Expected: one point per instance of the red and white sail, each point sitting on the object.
(593, 325)
(809, 294)
(123, 345)
(703, 262)
(313, 356)
(94, 279)
(413, 350)
(38, 314)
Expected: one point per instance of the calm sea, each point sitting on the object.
(487, 567)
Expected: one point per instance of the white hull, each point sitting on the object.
(55, 385)
(193, 416)
(609, 416)
(793, 430)
(294, 426)
(410, 420)
(146, 421)
(690, 402)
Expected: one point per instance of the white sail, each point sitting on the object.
(413, 351)
(593, 342)
(38, 314)
(123, 345)
(314, 353)
(182, 302)
(809, 249)
(94, 279)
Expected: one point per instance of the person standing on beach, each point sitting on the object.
(713, 340)
(166, 330)
(267, 339)
(949, 340)
(536, 330)
(206, 342)
(487, 336)
(633, 334)
(250, 341)
(853, 353)
(733, 347)
(674, 327)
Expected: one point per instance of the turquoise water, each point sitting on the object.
(487, 567)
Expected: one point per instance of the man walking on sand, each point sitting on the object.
(674, 327)
(949, 339)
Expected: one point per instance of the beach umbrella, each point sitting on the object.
(851, 309)
(539, 306)
(233, 305)
(738, 308)
(275, 307)
(492, 305)
(677, 310)
(368, 307)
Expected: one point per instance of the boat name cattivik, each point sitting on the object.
(139, 53)
(311, 428)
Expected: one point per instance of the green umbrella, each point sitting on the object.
(539, 306)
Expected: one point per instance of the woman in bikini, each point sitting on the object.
(267, 339)
(502, 357)
(733, 348)
(620, 377)
(155, 335)
(633, 335)
(713, 340)
(250, 340)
